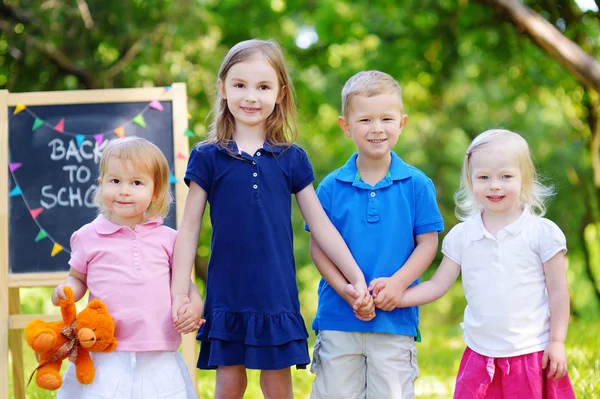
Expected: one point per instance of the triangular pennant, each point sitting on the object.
(15, 191)
(41, 235)
(139, 119)
(189, 115)
(20, 107)
(56, 249)
(14, 166)
(37, 124)
(167, 88)
(181, 156)
(173, 179)
(60, 126)
(36, 212)
(189, 133)
(99, 138)
(79, 138)
(156, 105)
(120, 132)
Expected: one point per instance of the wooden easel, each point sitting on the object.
(11, 319)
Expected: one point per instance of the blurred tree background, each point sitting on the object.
(465, 66)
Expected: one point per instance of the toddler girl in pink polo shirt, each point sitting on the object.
(512, 262)
(124, 258)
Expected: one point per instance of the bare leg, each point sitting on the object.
(276, 384)
(231, 382)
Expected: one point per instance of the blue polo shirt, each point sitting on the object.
(379, 225)
(251, 295)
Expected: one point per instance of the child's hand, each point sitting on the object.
(366, 308)
(58, 294)
(177, 303)
(190, 316)
(555, 354)
(386, 293)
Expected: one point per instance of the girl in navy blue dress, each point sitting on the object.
(247, 171)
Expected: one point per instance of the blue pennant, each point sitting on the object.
(79, 138)
(15, 191)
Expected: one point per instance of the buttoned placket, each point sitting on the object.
(137, 268)
(255, 177)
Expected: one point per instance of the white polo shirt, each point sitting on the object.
(507, 313)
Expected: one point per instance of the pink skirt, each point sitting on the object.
(483, 377)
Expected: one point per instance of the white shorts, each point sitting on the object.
(353, 365)
(132, 375)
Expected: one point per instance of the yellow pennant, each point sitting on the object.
(189, 115)
(20, 107)
(56, 249)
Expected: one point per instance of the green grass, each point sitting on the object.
(439, 353)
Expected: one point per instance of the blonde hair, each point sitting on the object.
(280, 127)
(369, 84)
(533, 193)
(144, 156)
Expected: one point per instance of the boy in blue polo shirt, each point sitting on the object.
(387, 213)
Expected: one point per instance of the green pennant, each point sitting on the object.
(189, 133)
(41, 235)
(139, 119)
(37, 124)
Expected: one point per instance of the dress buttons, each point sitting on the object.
(255, 186)
(136, 263)
(258, 154)
(373, 194)
(253, 162)
(133, 237)
(254, 174)
(135, 244)
(136, 254)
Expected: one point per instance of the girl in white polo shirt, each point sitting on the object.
(124, 258)
(513, 271)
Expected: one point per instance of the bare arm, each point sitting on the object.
(185, 246)
(418, 261)
(327, 236)
(432, 289)
(78, 283)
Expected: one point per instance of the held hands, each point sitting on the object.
(386, 293)
(556, 356)
(361, 301)
(186, 314)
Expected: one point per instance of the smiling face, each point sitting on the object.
(252, 90)
(496, 179)
(374, 123)
(126, 192)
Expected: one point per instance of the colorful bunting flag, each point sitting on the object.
(37, 124)
(189, 115)
(167, 88)
(60, 126)
(14, 166)
(173, 179)
(56, 249)
(15, 191)
(41, 235)
(79, 138)
(20, 107)
(36, 212)
(189, 133)
(99, 138)
(120, 132)
(139, 119)
(156, 105)
(181, 156)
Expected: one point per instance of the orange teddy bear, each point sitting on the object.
(93, 330)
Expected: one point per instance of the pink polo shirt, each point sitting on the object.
(130, 271)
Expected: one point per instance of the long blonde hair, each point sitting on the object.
(533, 193)
(144, 156)
(281, 126)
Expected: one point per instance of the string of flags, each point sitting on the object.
(61, 127)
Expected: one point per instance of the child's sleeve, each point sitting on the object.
(78, 259)
(551, 240)
(452, 246)
(302, 171)
(427, 214)
(200, 167)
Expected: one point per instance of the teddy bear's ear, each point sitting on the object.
(98, 305)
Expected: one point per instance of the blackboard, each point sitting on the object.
(54, 152)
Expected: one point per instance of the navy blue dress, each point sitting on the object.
(252, 309)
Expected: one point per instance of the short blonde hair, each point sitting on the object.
(533, 193)
(369, 84)
(144, 156)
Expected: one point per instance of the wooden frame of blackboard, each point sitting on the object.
(11, 321)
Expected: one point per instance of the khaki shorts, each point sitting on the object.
(352, 365)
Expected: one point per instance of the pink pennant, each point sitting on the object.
(99, 138)
(156, 105)
(60, 126)
(36, 212)
(181, 156)
(14, 166)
